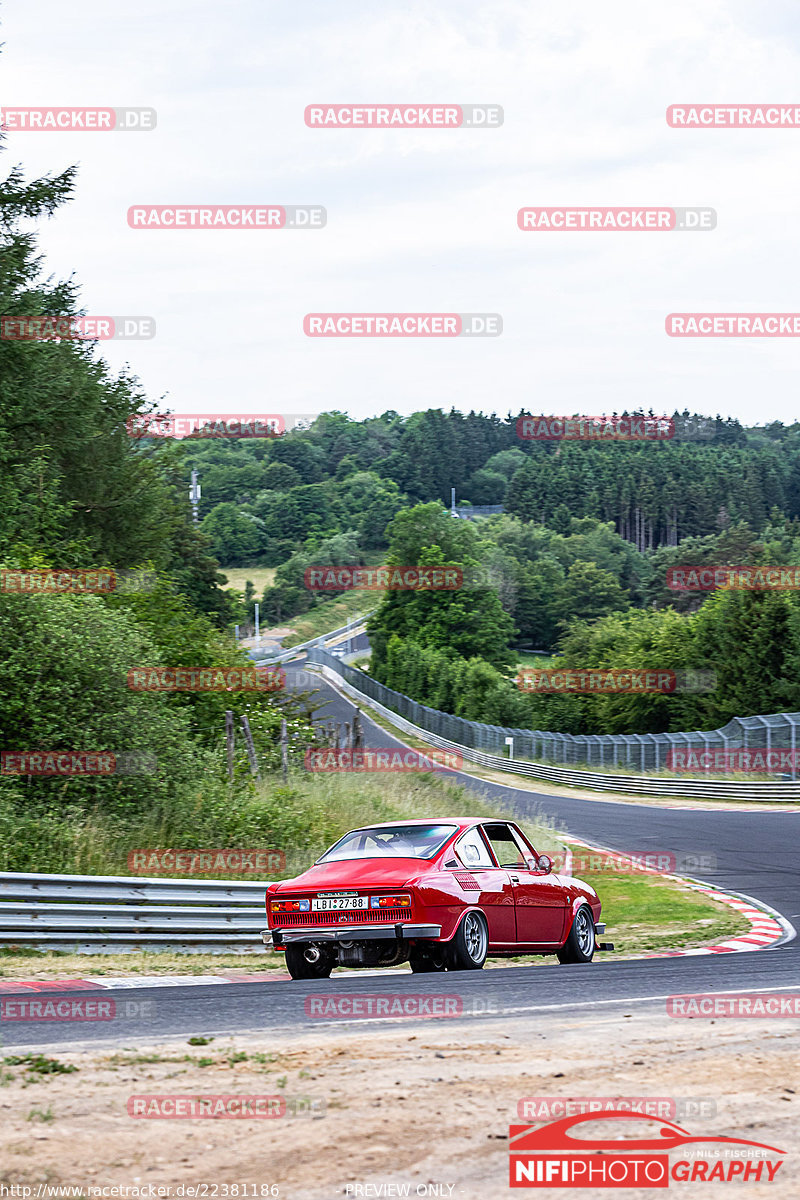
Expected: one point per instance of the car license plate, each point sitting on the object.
(339, 903)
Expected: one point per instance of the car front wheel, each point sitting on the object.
(470, 945)
(580, 945)
(299, 965)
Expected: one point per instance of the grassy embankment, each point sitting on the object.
(330, 615)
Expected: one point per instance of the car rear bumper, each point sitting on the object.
(350, 933)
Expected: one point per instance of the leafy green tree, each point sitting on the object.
(280, 477)
(506, 462)
(589, 592)
(234, 537)
(487, 487)
(453, 621)
(64, 686)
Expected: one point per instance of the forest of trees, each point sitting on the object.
(603, 604)
(263, 498)
(77, 492)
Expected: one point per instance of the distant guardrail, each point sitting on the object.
(362, 688)
(94, 914)
(293, 651)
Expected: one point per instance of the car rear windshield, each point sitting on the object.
(391, 841)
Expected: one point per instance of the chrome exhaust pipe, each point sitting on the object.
(311, 954)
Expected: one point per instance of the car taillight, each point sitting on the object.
(284, 906)
(390, 902)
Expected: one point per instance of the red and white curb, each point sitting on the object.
(767, 927)
(132, 981)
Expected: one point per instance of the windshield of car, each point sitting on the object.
(391, 841)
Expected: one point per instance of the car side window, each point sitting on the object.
(471, 849)
(504, 845)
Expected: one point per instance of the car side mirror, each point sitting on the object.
(544, 863)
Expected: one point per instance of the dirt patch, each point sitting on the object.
(403, 1104)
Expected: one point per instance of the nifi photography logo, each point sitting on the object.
(569, 1154)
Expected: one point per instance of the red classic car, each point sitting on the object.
(440, 894)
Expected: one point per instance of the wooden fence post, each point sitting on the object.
(251, 750)
(229, 739)
(284, 751)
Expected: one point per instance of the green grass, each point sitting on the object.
(260, 577)
(39, 1064)
(329, 615)
(301, 818)
(644, 912)
(524, 659)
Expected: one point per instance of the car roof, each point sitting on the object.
(461, 822)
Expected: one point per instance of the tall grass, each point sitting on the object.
(301, 819)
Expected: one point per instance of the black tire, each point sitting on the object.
(470, 945)
(428, 958)
(299, 967)
(581, 943)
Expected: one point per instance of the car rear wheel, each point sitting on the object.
(301, 963)
(470, 945)
(580, 945)
(432, 958)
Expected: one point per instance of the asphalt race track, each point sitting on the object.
(756, 854)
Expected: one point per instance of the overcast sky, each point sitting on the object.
(424, 220)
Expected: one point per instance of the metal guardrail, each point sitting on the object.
(717, 789)
(115, 914)
(293, 651)
(631, 752)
